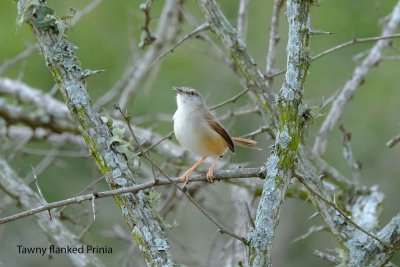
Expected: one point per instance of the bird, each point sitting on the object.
(198, 131)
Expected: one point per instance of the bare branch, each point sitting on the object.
(329, 203)
(247, 71)
(242, 18)
(348, 156)
(341, 46)
(13, 114)
(167, 31)
(352, 85)
(14, 186)
(273, 39)
(394, 141)
(219, 176)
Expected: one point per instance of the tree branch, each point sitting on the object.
(15, 187)
(282, 161)
(356, 80)
(244, 64)
(60, 58)
(219, 176)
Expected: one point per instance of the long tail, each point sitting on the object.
(246, 143)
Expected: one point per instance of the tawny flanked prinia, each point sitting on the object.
(198, 131)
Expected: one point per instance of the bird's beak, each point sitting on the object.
(177, 89)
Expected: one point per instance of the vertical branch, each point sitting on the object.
(242, 18)
(273, 40)
(282, 161)
(61, 60)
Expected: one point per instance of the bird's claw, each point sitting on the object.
(184, 178)
(210, 176)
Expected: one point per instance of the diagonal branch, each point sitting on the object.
(60, 58)
(244, 64)
(54, 229)
(353, 84)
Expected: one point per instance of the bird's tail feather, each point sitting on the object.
(246, 143)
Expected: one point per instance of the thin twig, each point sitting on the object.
(147, 37)
(348, 156)
(87, 9)
(8, 63)
(313, 229)
(347, 218)
(338, 47)
(201, 28)
(261, 130)
(93, 206)
(35, 180)
(230, 100)
(184, 191)
(142, 152)
(394, 141)
(168, 136)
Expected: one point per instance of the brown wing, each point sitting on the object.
(216, 126)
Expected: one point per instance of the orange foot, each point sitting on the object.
(210, 175)
(185, 178)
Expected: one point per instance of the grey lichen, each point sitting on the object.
(121, 181)
(73, 90)
(284, 138)
(124, 210)
(116, 173)
(272, 166)
(161, 244)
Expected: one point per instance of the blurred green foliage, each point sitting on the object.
(107, 39)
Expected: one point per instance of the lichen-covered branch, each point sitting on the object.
(60, 58)
(16, 188)
(282, 161)
(244, 64)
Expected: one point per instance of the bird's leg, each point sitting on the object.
(210, 173)
(185, 177)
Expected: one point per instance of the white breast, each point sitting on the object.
(188, 127)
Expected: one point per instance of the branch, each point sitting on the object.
(273, 39)
(281, 163)
(13, 114)
(339, 47)
(352, 85)
(394, 141)
(35, 97)
(242, 18)
(167, 31)
(15, 187)
(60, 58)
(219, 176)
(244, 64)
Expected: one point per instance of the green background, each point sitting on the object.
(107, 38)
